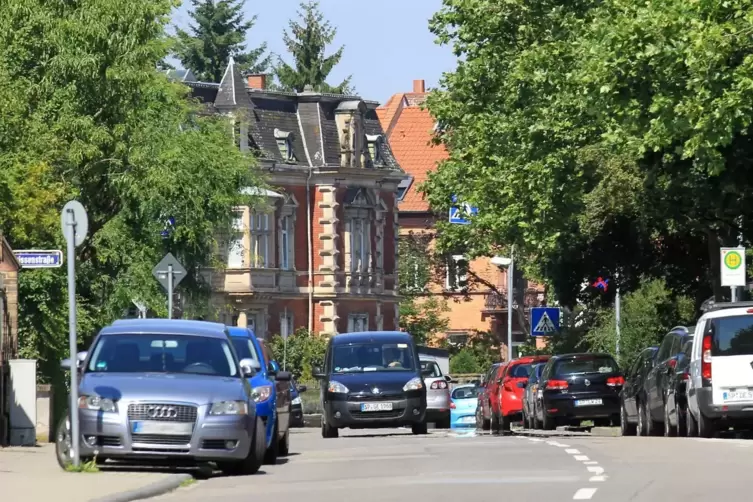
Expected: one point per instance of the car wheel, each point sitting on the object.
(706, 427)
(626, 428)
(682, 421)
(536, 421)
(270, 456)
(504, 423)
(650, 426)
(419, 429)
(641, 420)
(691, 429)
(63, 447)
(670, 430)
(329, 432)
(255, 457)
(445, 423)
(494, 422)
(284, 449)
(547, 423)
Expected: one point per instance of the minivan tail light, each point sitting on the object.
(556, 385)
(706, 358)
(439, 384)
(617, 381)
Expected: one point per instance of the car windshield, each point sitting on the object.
(732, 336)
(161, 353)
(372, 356)
(581, 365)
(430, 369)
(519, 371)
(244, 348)
(465, 393)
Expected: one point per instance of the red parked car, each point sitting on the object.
(507, 401)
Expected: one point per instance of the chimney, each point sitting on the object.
(419, 86)
(257, 81)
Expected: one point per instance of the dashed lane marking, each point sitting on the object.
(572, 451)
(595, 469)
(580, 458)
(584, 494)
(596, 479)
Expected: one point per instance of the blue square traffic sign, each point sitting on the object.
(545, 321)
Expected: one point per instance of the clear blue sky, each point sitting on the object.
(387, 42)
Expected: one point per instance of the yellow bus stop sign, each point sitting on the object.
(733, 260)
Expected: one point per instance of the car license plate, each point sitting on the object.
(166, 428)
(376, 406)
(468, 420)
(737, 395)
(588, 402)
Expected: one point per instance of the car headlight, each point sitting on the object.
(261, 393)
(414, 384)
(337, 387)
(229, 408)
(296, 400)
(97, 403)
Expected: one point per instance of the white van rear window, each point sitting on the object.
(732, 336)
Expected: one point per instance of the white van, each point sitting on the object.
(720, 388)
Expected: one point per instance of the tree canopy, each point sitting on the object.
(307, 42)
(85, 114)
(598, 137)
(219, 33)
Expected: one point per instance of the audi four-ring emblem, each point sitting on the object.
(162, 412)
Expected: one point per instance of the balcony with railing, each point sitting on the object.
(496, 301)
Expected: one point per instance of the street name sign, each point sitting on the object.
(733, 267)
(39, 258)
(545, 321)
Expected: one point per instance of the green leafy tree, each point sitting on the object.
(647, 314)
(587, 133)
(307, 42)
(218, 34)
(84, 113)
(464, 362)
(421, 313)
(305, 351)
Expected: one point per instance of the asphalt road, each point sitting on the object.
(388, 465)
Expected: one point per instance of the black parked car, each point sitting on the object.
(529, 397)
(633, 391)
(676, 421)
(578, 387)
(296, 405)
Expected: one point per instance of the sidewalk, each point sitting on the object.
(32, 474)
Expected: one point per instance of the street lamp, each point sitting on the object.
(502, 261)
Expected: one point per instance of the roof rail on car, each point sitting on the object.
(678, 327)
(712, 306)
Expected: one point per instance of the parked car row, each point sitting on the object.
(698, 381)
(179, 391)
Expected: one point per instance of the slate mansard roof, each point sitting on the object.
(308, 116)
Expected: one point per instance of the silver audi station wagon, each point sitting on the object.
(158, 389)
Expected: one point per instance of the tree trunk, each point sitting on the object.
(715, 278)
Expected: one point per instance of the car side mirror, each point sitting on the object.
(318, 373)
(448, 378)
(302, 388)
(272, 369)
(80, 358)
(284, 376)
(248, 367)
(522, 385)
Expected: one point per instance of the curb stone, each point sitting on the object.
(152, 490)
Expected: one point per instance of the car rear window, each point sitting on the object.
(732, 336)
(519, 371)
(585, 364)
(465, 393)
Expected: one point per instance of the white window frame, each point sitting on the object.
(358, 322)
(285, 248)
(461, 281)
(261, 236)
(236, 250)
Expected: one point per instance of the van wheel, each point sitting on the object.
(706, 427)
(329, 432)
(420, 429)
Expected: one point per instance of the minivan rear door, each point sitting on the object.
(731, 356)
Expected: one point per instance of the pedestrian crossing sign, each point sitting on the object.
(545, 321)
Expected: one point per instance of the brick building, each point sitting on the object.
(322, 254)
(477, 290)
(9, 268)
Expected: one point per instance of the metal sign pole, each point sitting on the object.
(170, 291)
(71, 245)
(617, 316)
(510, 274)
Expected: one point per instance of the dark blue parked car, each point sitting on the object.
(296, 408)
(271, 391)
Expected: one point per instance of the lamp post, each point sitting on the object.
(502, 261)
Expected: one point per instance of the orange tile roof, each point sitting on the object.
(409, 130)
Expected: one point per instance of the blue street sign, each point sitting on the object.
(458, 214)
(545, 321)
(169, 225)
(38, 258)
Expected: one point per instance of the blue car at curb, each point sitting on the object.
(464, 399)
(271, 391)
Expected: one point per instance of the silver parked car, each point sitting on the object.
(437, 393)
(163, 389)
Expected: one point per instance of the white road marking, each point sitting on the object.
(580, 458)
(536, 440)
(595, 469)
(584, 494)
(594, 479)
(572, 451)
(591, 462)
